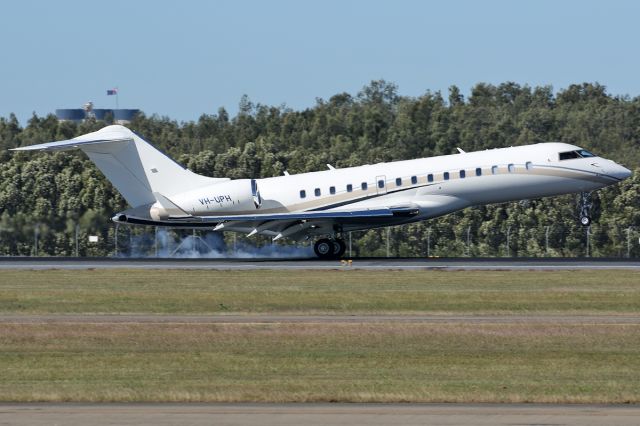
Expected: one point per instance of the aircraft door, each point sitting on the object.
(381, 185)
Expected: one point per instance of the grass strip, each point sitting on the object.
(318, 292)
(321, 362)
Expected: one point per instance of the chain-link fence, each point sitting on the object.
(505, 241)
(421, 240)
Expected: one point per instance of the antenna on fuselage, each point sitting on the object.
(460, 150)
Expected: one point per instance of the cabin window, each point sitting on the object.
(478, 171)
(349, 188)
(414, 180)
(494, 170)
(511, 168)
(398, 181)
(463, 174)
(446, 175)
(380, 183)
(332, 190)
(303, 193)
(430, 177)
(528, 165)
(317, 192)
(364, 186)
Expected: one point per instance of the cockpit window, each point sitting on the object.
(581, 153)
(569, 155)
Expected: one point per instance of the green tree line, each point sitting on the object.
(58, 192)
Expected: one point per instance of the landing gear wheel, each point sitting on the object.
(324, 248)
(585, 208)
(339, 247)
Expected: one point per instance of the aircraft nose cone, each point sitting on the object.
(621, 172)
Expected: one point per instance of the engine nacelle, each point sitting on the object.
(234, 196)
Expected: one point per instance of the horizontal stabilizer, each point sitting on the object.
(67, 145)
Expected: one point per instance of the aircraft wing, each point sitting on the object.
(278, 224)
(306, 215)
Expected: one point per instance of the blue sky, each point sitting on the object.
(183, 59)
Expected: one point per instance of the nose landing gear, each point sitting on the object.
(585, 208)
(326, 248)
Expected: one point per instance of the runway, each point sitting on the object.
(534, 264)
(318, 319)
(192, 414)
(319, 413)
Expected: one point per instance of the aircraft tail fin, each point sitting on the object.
(132, 165)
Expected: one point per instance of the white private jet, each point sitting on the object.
(328, 203)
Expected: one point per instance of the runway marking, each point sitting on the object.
(378, 264)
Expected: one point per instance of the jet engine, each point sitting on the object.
(234, 196)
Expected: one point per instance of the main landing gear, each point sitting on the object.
(326, 248)
(585, 208)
